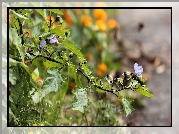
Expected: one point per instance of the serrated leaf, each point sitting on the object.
(50, 64)
(73, 71)
(57, 11)
(80, 100)
(52, 82)
(144, 91)
(126, 103)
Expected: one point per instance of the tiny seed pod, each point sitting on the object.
(40, 37)
(66, 34)
(71, 55)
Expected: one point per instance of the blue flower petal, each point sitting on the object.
(137, 69)
(53, 39)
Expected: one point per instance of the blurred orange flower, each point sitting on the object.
(26, 61)
(101, 25)
(100, 4)
(89, 56)
(28, 33)
(102, 69)
(52, 19)
(67, 18)
(100, 14)
(77, 11)
(35, 124)
(73, 85)
(86, 20)
(100, 47)
(112, 23)
(39, 81)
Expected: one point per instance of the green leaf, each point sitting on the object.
(12, 76)
(76, 50)
(40, 11)
(57, 11)
(73, 71)
(50, 64)
(52, 82)
(126, 103)
(35, 74)
(19, 15)
(16, 40)
(80, 100)
(144, 91)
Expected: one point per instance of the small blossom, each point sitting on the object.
(101, 25)
(100, 14)
(112, 23)
(53, 39)
(138, 69)
(42, 44)
(86, 20)
(102, 69)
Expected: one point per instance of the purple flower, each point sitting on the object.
(53, 39)
(138, 69)
(42, 44)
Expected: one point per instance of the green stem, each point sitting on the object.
(85, 118)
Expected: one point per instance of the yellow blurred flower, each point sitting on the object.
(86, 20)
(35, 124)
(112, 23)
(100, 4)
(89, 56)
(67, 18)
(39, 81)
(101, 25)
(52, 19)
(100, 14)
(102, 69)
